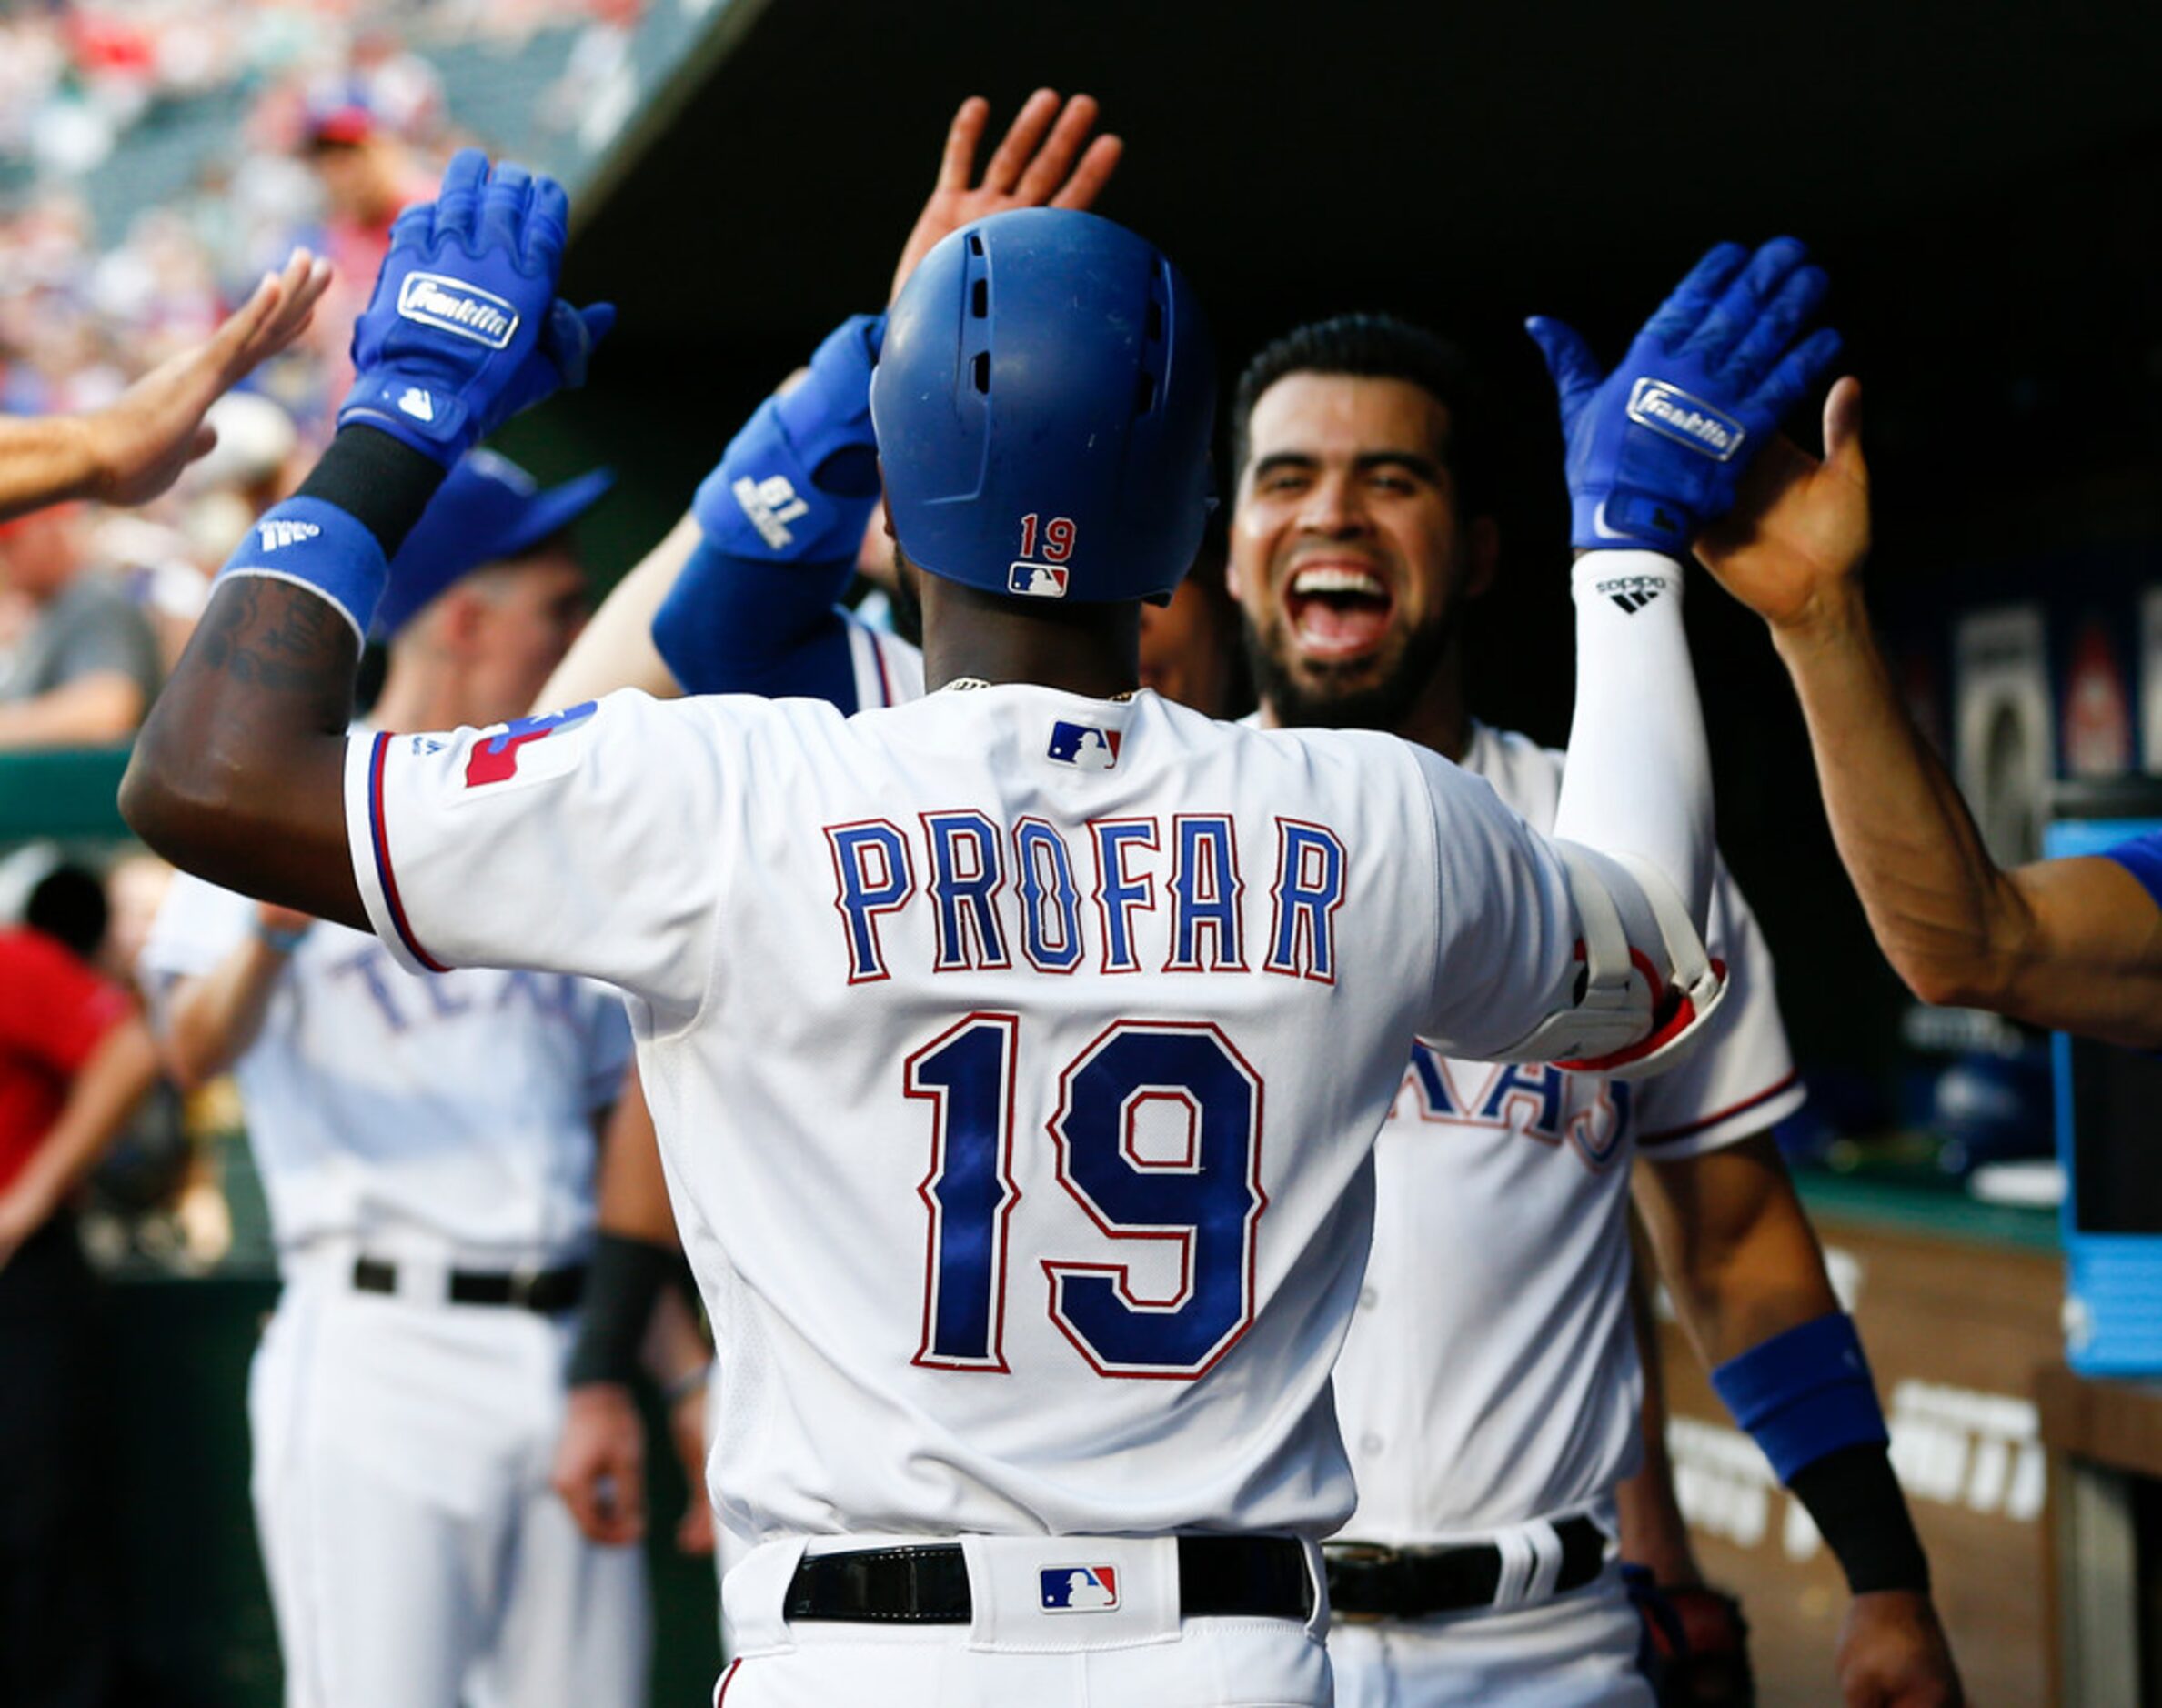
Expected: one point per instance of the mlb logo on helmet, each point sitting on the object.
(1037, 580)
(1078, 1589)
(1083, 746)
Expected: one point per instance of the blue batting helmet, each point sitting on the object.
(1043, 404)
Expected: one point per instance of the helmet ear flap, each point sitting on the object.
(1043, 404)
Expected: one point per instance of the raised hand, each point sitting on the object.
(1041, 162)
(1799, 530)
(465, 328)
(1656, 449)
(138, 444)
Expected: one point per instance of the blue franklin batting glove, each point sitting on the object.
(1656, 448)
(465, 328)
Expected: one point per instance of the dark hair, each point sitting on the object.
(1375, 347)
(68, 905)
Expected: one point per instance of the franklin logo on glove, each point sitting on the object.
(435, 299)
(1690, 420)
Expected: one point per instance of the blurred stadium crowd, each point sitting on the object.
(327, 116)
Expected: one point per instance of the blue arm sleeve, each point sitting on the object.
(2142, 857)
(1803, 1393)
(753, 611)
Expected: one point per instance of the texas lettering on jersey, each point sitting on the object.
(1170, 898)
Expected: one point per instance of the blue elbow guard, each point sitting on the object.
(797, 484)
(1803, 1393)
(2142, 857)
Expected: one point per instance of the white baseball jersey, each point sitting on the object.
(1491, 1376)
(431, 1115)
(1017, 1059)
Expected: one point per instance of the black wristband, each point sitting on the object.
(626, 1277)
(380, 482)
(1862, 1514)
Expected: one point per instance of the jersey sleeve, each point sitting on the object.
(581, 842)
(1741, 1079)
(2142, 857)
(1504, 953)
(54, 1010)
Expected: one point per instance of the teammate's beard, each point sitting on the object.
(1381, 705)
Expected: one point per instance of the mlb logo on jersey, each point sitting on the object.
(1037, 580)
(496, 759)
(1083, 746)
(1078, 1589)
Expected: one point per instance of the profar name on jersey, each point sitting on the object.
(1155, 894)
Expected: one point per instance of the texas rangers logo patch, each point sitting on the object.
(1078, 1589)
(1083, 746)
(496, 759)
(1037, 580)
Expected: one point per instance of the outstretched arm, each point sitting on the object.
(133, 448)
(239, 773)
(740, 597)
(2075, 944)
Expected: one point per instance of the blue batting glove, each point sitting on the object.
(1656, 448)
(465, 328)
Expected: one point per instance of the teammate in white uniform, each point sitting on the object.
(936, 1021)
(1490, 1389)
(427, 1146)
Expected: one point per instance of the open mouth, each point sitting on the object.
(1337, 610)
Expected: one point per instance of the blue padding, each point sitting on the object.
(2142, 857)
(752, 611)
(735, 625)
(1803, 1393)
(315, 543)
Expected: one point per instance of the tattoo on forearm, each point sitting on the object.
(267, 635)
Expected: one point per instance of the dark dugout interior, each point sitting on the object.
(1984, 182)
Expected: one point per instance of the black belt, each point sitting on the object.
(546, 1291)
(1220, 1577)
(1373, 1583)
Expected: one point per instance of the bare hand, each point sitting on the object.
(1893, 1654)
(687, 1429)
(601, 1463)
(1799, 531)
(1034, 166)
(139, 442)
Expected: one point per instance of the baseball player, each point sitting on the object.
(1045, 1272)
(427, 1141)
(2071, 944)
(1490, 1387)
(1492, 1407)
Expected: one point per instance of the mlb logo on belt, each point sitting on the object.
(1083, 746)
(1037, 580)
(1078, 1589)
